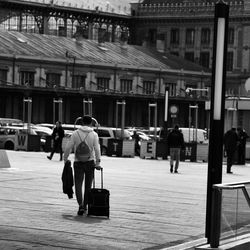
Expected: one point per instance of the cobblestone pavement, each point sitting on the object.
(150, 207)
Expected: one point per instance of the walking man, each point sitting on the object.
(57, 136)
(85, 143)
(175, 142)
(230, 144)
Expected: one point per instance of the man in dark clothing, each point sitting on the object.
(230, 144)
(175, 142)
(57, 136)
(242, 137)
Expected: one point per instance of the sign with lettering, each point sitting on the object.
(21, 141)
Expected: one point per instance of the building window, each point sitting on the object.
(102, 83)
(230, 36)
(148, 87)
(78, 81)
(3, 76)
(27, 78)
(175, 36)
(230, 57)
(126, 85)
(205, 36)
(204, 59)
(189, 56)
(171, 89)
(53, 79)
(190, 36)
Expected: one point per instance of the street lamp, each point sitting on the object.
(215, 152)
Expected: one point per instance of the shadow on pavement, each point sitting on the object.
(84, 219)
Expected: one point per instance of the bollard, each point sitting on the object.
(4, 161)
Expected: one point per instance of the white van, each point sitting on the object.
(194, 135)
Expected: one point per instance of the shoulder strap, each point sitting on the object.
(80, 136)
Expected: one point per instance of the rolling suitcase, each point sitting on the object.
(98, 200)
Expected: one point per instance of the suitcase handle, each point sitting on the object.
(101, 177)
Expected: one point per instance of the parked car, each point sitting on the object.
(8, 134)
(9, 121)
(107, 133)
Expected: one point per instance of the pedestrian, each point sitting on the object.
(136, 137)
(242, 138)
(87, 157)
(175, 142)
(57, 137)
(230, 144)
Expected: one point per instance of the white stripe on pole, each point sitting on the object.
(219, 68)
(166, 106)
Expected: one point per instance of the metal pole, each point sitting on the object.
(116, 115)
(165, 126)
(189, 122)
(149, 115)
(54, 110)
(155, 120)
(123, 104)
(196, 122)
(153, 105)
(60, 114)
(29, 112)
(123, 118)
(88, 103)
(215, 155)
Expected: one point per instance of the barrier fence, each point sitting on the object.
(230, 212)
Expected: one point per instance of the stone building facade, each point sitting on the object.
(185, 28)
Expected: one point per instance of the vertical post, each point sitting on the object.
(88, 103)
(153, 105)
(60, 114)
(165, 126)
(58, 102)
(29, 112)
(123, 104)
(216, 214)
(27, 101)
(196, 122)
(123, 117)
(217, 107)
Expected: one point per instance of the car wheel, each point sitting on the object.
(9, 145)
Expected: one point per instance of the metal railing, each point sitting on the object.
(230, 212)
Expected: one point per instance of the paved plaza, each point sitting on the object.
(150, 208)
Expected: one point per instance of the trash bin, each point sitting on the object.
(202, 152)
(27, 142)
(189, 152)
(128, 148)
(114, 147)
(148, 149)
(161, 149)
(34, 143)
